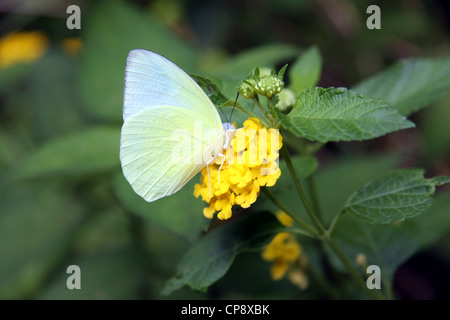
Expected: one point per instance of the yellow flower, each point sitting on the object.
(17, 47)
(285, 219)
(251, 162)
(286, 254)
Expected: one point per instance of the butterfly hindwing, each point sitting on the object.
(161, 150)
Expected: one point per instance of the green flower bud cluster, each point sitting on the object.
(265, 84)
(247, 88)
(269, 86)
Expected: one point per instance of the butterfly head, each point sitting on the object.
(229, 130)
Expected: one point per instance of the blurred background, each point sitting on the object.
(63, 198)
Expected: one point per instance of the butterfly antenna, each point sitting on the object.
(235, 101)
(223, 113)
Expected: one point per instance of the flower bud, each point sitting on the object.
(269, 86)
(247, 88)
(287, 99)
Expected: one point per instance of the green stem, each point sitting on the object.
(353, 272)
(324, 233)
(325, 287)
(279, 204)
(262, 110)
(335, 220)
(301, 193)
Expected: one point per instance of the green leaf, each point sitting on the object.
(388, 246)
(36, 225)
(305, 72)
(334, 184)
(210, 258)
(335, 114)
(115, 28)
(384, 245)
(396, 196)
(211, 90)
(94, 150)
(180, 213)
(409, 84)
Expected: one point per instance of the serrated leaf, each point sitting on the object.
(210, 258)
(384, 245)
(335, 185)
(409, 84)
(396, 196)
(337, 114)
(305, 72)
(388, 246)
(211, 90)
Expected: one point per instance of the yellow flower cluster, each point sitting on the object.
(17, 47)
(250, 163)
(286, 254)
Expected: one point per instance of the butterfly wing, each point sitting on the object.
(162, 148)
(152, 80)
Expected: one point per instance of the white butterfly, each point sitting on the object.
(160, 100)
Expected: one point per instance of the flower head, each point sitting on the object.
(251, 162)
(286, 256)
(17, 47)
(247, 88)
(269, 85)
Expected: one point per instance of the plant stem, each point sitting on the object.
(280, 205)
(335, 220)
(353, 272)
(325, 236)
(301, 193)
(262, 110)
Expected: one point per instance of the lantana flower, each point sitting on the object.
(251, 162)
(285, 253)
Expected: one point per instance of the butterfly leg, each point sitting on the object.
(220, 168)
(209, 177)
